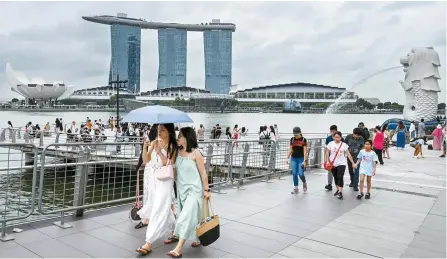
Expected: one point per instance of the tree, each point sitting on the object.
(441, 106)
(321, 105)
(387, 105)
(14, 100)
(113, 99)
(362, 103)
(380, 106)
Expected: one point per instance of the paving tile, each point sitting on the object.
(17, 252)
(277, 226)
(411, 205)
(8, 245)
(93, 246)
(423, 253)
(78, 226)
(29, 236)
(379, 225)
(107, 220)
(262, 232)
(430, 245)
(328, 250)
(279, 256)
(128, 228)
(434, 221)
(296, 252)
(396, 237)
(256, 241)
(230, 256)
(116, 238)
(291, 222)
(439, 208)
(356, 242)
(431, 234)
(389, 213)
(242, 250)
(202, 252)
(52, 248)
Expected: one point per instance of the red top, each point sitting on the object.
(378, 140)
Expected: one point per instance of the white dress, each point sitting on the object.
(157, 207)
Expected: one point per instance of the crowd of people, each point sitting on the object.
(360, 152)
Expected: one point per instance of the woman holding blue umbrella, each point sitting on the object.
(161, 152)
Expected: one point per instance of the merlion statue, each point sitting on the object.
(421, 84)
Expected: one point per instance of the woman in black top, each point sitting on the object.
(297, 155)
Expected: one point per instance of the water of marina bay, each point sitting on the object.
(311, 123)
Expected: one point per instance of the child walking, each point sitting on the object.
(368, 160)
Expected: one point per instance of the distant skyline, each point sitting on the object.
(329, 43)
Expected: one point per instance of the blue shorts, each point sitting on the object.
(367, 173)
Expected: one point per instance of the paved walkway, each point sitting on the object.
(406, 217)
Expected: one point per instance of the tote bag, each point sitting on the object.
(208, 230)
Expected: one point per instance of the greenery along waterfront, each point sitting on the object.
(232, 105)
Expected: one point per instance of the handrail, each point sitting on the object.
(227, 162)
(5, 219)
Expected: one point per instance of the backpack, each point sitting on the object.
(264, 137)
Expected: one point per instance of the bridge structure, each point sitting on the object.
(80, 207)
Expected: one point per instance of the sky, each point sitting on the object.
(329, 43)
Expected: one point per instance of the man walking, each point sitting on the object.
(365, 132)
(421, 129)
(355, 142)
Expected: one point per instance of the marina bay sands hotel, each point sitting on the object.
(172, 38)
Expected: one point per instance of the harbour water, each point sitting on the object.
(311, 123)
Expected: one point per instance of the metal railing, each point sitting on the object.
(18, 174)
(74, 177)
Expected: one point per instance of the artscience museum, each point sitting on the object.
(36, 88)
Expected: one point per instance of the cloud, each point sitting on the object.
(331, 43)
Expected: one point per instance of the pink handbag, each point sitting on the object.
(165, 172)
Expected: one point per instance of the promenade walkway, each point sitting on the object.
(406, 217)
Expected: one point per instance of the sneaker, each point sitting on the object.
(368, 196)
(351, 185)
(442, 156)
(336, 193)
(328, 187)
(294, 191)
(360, 196)
(304, 187)
(340, 196)
(356, 189)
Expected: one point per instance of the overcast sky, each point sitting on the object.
(331, 43)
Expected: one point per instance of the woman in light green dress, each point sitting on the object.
(192, 187)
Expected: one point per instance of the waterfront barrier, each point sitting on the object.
(71, 178)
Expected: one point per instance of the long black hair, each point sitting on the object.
(172, 146)
(153, 132)
(191, 139)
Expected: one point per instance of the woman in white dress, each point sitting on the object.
(162, 219)
(148, 196)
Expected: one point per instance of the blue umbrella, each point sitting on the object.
(157, 114)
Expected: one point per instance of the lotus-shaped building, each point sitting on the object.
(36, 88)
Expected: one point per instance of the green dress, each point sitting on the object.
(190, 198)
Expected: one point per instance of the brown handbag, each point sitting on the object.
(208, 230)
